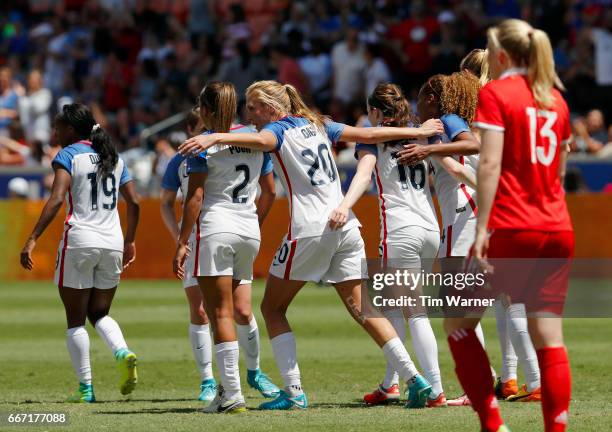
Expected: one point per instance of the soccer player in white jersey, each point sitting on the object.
(220, 202)
(409, 233)
(312, 251)
(93, 252)
(454, 98)
(176, 178)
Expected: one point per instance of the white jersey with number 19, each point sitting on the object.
(304, 162)
(92, 219)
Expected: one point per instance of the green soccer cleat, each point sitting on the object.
(126, 364)
(418, 392)
(262, 383)
(503, 428)
(208, 390)
(85, 394)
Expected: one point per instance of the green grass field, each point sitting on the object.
(339, 363)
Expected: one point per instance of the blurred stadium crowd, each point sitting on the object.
(137, 62)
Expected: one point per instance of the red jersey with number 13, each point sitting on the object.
(529, 195)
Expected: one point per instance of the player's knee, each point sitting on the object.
(223, 313)
(271, 310)
(242, 312)
(198, 315)
(96, 315)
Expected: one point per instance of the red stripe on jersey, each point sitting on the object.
(290, 259)
(60, 282)
(383, 212)
(237, 127)
(469, 198)
(86, 142)
(461, 160)
(196, 260)
(280, 161)
(449, 241)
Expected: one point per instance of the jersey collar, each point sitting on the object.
(86, 142)
(513, 71)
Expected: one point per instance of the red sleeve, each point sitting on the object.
(489, 111)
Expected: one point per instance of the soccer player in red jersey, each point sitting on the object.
(522, 213)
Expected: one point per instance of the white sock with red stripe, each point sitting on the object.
(201, 345)
(77, 341)
(426, 350)
(285, 354)
(396, 318)
(517, 323)
(109, 331)
(396, 354)
(509, 358)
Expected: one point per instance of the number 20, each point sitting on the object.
(537, 152)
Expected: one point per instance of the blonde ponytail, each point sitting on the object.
(530, 48)
(477, 62)
(284, 99)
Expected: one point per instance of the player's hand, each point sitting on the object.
(178, 264)
(412, 153)
(129, 254)
(479, 251)
(338, 217)
(26, 254)
(431, 127)
(196, 144)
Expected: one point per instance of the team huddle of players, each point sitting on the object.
(485, 148)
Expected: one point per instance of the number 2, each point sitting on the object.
(537, 152)
(242, 185)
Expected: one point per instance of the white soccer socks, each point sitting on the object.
(285, 354)
(517, 323)
(227, 354)
(201, 345)
(396, 318)
(248, 338)
(426, 350)
(77, 341)
(396, 354)
(509, 358)
(109, 331)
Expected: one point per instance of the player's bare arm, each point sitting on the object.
(128, 192)
(192, 207)
(358, 186)
(266, 198)
(457, 170)
(489, 169)
(61, 183)
(167, 199)
(465, 144)
(376, 135)
(264, 141)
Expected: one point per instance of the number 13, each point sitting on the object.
(537, 152)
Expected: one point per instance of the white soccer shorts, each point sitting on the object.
(411, 247)
(225, 254)
(332, 258)
(457, 239)
(83, 268)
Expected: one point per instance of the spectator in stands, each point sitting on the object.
(591, 133)
(18, 188)
(13, 148)
(34, 109)
(288, 69)
(349, 66)
(447, 48)
(377, 71)
(317, 67)
(241, 69)
(8, 101)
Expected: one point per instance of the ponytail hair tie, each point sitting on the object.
(95, 128)
(530, 34)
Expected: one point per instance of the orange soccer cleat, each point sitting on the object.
(439, 402)
(504, 390)
(526, 396)
(382, 396)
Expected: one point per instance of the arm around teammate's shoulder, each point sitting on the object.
(376, 135)
(264, 141)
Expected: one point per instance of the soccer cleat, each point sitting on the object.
(503, 390)
(524, 395)
(462, 400)
(382, 396)
(503, 428)
(284, 402)
(262, 383)
(208, 390)
(126, 364)
(85, 394)
(418, 392)
(439, 402)
(222, 405)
